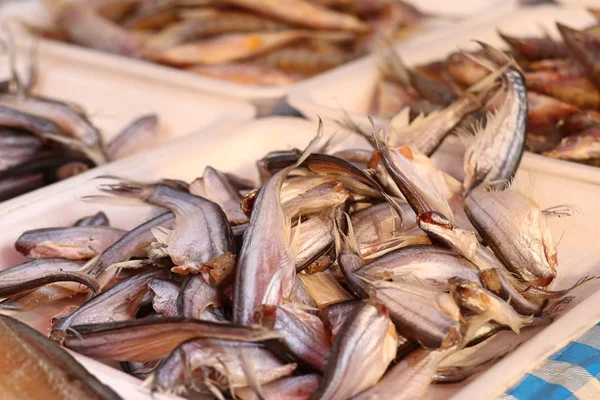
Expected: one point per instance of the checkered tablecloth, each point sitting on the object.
(570, 373)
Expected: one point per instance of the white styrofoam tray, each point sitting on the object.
(352, 86)
(114, 98)
(234, 148)
(268, 100)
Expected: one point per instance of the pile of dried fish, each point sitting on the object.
(349, 274)
(249, 42)
(44, 140)
(562, 79)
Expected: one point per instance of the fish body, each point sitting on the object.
(33, 367)
(495, 153)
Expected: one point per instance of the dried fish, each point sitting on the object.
(495, 153)
(361, 353)
(215, 186)
(290, 388)
(98, 219)
(195, 217)
(430, 264)
(196, 296)
(420, 312)
(152, 338)
(516, 229)
(139, 135)
(585, 47)
(129, 244)
(303, 333)
(219, 357)
(34, 367)
(36, 273)
(410, 377)
(164, 296)
(73, 243)
(119, 303)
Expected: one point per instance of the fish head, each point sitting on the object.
(469, 295)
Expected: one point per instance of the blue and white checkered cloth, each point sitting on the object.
(570, 373)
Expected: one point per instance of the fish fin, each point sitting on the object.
(348, 124)
(465, 135)
(561, 211)
(350, 238)
(401, 119)
(294, 240)
(403, 241)
(250, 373)
(391, 64)
(106, 199)
(162, 235)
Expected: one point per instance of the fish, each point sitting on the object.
(12, 187)
(427, 133)
(220, 357)
(303, 13)
(303, 333)
(480, 301)
(498, 283)
(247, 73)
(578, 91)
(410, 378)
(361, 353)
(430, 89)
(420, 312)
(463, 70)
(17, 147)
(139, 238)
(324, 288)
(195, 217)
(226, 48)
(77, 130)
(151, 338)
(216, 187)
(581, 146)
(73, 243)
(494, 154)
(87, 28)
(289, 388)
(306, 60)
(546, 113)
(195, 296)
(335, 314)
(140, 134)
(119, 303)
(389, 99)
(39, 272)
(579, 122)
(516, 229)
(465, 362)
(315, 200)
(164, 296)
(150, 15)
(37, 297)
(585, 47)
(222, 22)
(535, 49)
(98, 219)
(266, 265)
(314, 240)
(34, 367)
(427, 263)
(424, 186)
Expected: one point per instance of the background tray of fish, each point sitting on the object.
(556, 109)
(286, 57)
(110, 99)
(235, 148)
